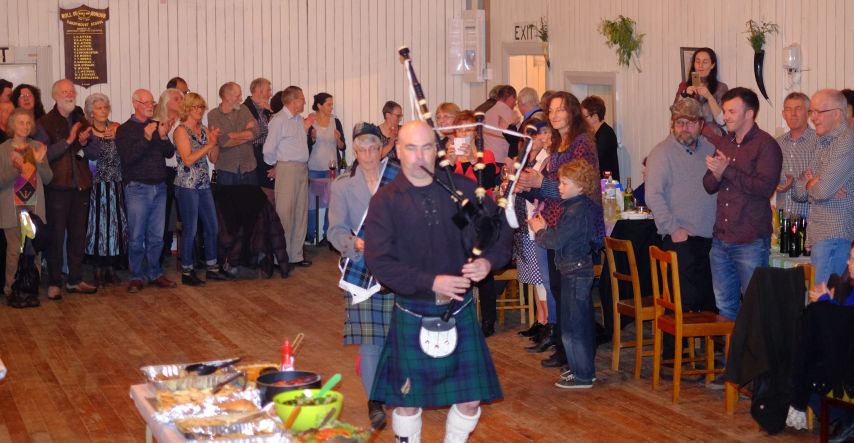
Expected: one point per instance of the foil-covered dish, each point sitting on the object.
(175, 377)
(195, 403)
(263, 429)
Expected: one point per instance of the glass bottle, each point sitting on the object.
(628, 196)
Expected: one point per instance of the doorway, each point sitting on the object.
(525, 65)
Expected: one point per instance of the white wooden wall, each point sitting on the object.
(824, 29)
(347, 48)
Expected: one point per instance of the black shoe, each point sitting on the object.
(548, 339)
(301, 264)
(266, 265)
(218, 274)
(533, 330)
(541, 335)
(376, 414)
(488, 328)
(555, 361)
(285, 270)
(191, 279)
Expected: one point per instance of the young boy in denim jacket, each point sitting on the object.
(572, 239)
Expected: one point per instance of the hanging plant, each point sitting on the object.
(543, 34)
(757, 33)
(621, 33)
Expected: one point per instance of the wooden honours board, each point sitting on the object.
(85, 32)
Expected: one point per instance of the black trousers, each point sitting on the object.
(695, 278)
(487, 292)
(554, 283)
(67, 213)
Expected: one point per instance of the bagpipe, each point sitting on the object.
(480, 224)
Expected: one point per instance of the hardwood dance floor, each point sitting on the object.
(71, 363)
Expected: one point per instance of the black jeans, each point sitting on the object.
(67, 213)
(695, 278)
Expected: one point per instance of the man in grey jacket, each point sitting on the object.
(684, 212)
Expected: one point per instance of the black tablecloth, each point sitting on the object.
(642, 234)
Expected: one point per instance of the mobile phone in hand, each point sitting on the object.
(695, 79)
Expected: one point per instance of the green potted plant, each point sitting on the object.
(622, 34)
(543, 34)
(757, 34)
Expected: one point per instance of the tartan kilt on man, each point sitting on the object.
(367, 323)
(408, 377)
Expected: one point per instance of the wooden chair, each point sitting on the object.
(516, 296)
(670, 319)
(597, 276)
(639, 307)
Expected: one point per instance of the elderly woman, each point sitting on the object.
(106, 237)
(167, 109)
(23, 172)
(445, 114)
(194, 143)
(368, 311)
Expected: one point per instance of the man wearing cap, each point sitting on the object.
(367, 310)
(684, 212)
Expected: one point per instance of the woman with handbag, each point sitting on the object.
(24, 171)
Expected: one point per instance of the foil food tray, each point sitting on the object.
(173, 377)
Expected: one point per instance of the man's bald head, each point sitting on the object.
(416, 149)
(64, 95)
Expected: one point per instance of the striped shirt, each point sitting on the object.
(830, 216)
(797, 155)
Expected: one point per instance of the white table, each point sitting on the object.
(143, 397)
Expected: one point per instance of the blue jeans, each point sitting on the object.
(576, 323)
(312, 213)
(146, 216)
(732, 266)
(543, 266)
(226, 178)
(829, 256)
(195, 205)
(368, 365)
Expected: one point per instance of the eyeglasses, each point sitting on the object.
(148, 103)
(202, 107)
(815, 112)
(397, 115)
(686, 123)
(26, 96)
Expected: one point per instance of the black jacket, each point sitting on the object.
(763, 340)
(570, 239)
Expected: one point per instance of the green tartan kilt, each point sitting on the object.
(468, 374)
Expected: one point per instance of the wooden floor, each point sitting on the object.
(71, 363)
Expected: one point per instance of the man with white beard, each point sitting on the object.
(65, 131)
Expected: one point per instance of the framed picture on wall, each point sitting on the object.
(685, 56)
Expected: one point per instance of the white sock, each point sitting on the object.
(459, 426)
(407, 428)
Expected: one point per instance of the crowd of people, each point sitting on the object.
(240, 184)
(111, 195)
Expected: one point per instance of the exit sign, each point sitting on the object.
(525, 31)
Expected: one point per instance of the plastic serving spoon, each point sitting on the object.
(207, 369)
(323, 390)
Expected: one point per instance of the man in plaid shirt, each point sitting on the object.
(828, 185)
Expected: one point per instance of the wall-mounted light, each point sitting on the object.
(792, 65)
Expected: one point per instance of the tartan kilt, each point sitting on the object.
(468, 374)
(367, 322)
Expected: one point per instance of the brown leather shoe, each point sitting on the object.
(82, 287)
(135, 286)
(163, 282)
